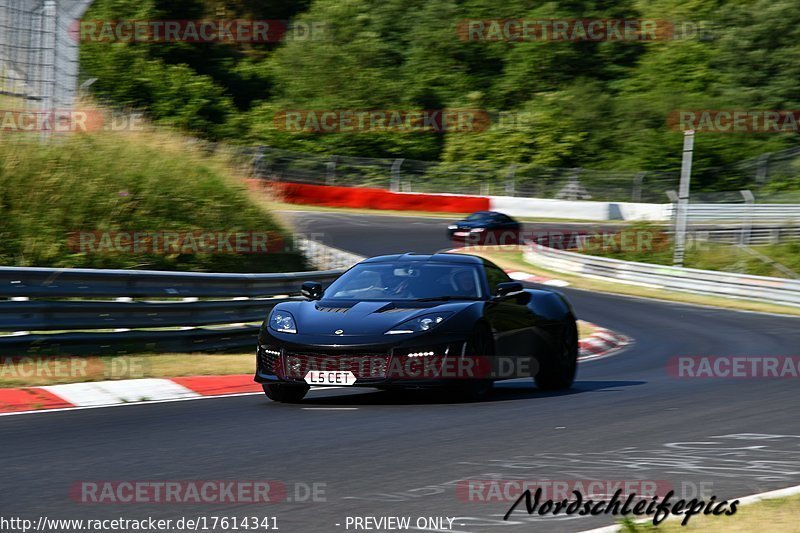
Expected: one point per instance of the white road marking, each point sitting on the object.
(330, 408)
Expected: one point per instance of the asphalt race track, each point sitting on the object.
(378, 454)
(376, 234)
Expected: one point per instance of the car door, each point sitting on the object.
(511, 320)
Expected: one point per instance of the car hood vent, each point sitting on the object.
(333, 309)
(398, 310)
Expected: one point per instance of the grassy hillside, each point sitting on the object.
(153, 182)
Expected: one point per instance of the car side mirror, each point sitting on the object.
(509, 287)
(311, 290)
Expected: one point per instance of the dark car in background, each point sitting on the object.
(452, 321)
(485, 227)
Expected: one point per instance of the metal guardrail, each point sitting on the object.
(184, 316)
(103, 344)
(725, 284)
(785, 213)
(754, 235)
(86, 315)
(87, 283)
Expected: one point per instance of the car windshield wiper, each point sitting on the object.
(447, 298)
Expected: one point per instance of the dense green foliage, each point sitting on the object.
(119, 183)
(590, 104)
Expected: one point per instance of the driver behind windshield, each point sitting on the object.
(464, 282)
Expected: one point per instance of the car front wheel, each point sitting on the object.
(557, 371)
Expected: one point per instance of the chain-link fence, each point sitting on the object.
(408, 175)
(39, 53)
(758, 175)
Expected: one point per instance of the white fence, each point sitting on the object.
(784, 214)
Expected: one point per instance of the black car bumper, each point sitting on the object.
(377, 364)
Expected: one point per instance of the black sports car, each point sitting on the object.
(485, 227)
(417, 321)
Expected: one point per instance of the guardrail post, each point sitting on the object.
(510, 180)
(761, 171)
(747, 223)
(636, 193)
(673, 199)
(257, 161)
(395, 183)
(683, 199)
(573, 190)
(330, 176)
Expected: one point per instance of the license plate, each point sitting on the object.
(325, 377)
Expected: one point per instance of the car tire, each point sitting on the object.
(557, 371)
(480, 343)
(280, 392)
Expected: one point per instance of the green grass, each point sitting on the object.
(148, 181)
(768, 515)
(11, 103)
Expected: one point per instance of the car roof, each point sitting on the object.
(438, 258)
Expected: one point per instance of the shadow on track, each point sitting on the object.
(502, 392)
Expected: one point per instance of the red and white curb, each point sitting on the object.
(94, 394)
(600, 343)
(524, 276)
(128, 391)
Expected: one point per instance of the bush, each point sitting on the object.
(124, 182)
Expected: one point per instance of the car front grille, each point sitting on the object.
(296, 365)
(269, 363)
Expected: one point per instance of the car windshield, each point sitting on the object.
(408, 281)
(479, 216)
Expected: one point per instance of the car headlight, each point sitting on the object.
(282, 321)
(421, 323)
(452, 226)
